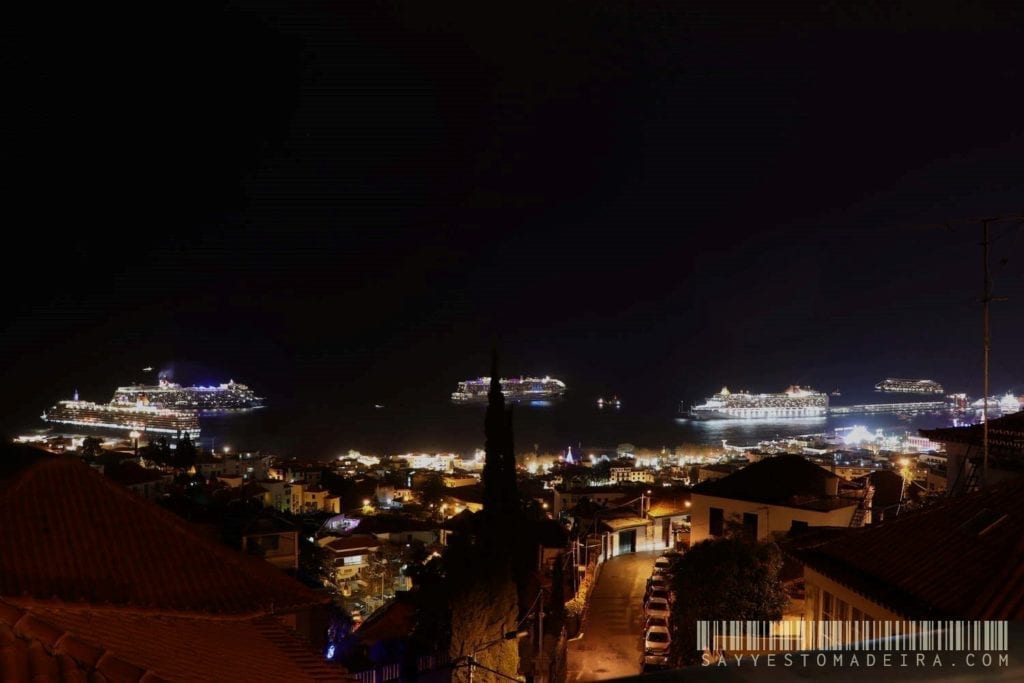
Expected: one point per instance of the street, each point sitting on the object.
(611, 646)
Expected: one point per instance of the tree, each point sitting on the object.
(92, 447)
(501, 494)
(734, 577)
(185, 454)
(482, 612)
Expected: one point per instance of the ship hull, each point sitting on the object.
(757, 414)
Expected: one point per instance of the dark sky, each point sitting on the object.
(350, 201)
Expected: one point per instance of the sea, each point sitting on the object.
(322, 432)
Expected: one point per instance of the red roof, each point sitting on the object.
(43, 643)
(963, 558)
(356, 542)
(72, 535)
(787, 480)
(128, 473)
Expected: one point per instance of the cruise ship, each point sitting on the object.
(224, 397)
(515, 390)
(793, 403)
(909, 386)
(110, 417)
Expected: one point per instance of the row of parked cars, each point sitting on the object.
(658, 600)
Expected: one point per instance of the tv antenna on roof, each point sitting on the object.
(986, 300)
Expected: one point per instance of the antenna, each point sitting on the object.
(986, 300)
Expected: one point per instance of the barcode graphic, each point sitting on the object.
(895, 636)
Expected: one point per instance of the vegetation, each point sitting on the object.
(734, 577)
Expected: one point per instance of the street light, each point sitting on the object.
(135, 434)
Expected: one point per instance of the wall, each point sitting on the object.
(774, 519)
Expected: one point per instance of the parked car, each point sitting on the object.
(657, 607)
(661, 594)
(656, 583)
(656, 621)
(654, 663)
(663, 563)
(657, 640)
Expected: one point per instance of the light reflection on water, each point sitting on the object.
(435, 427)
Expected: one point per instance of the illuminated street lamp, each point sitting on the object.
(135, 434)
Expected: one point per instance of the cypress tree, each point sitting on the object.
(494, 438)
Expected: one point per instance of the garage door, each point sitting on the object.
(627, 541)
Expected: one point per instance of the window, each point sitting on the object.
(716, 521)
(353, 560)
(798, 526)
(750, 524)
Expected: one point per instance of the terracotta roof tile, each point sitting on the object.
(71, 534)
(779, 480)
(125, 645)
(963, 557)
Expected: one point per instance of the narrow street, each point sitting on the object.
(611, 646)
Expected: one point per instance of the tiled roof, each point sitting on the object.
(385, 524)
(128, 473)
(962, 558)
(1005, 439)
(788, 480)
(56, 643)
(71, 534)
(355, 542)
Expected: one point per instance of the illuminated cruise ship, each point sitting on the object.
(909, 386)
(792, 403)
(118, 418)
(230, 396)
(516, 390)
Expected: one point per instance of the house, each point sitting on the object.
(630, 474)
(346, 555)
(717, 471)
(454, 481)
(964, 462)
(273, 539)
(305, 472)
(771, 496)
(97, 583)
(566, 498)
(669, 513)
(400, 529)
(310, 498)
(960, 558)
(144, 482)
(892, 494)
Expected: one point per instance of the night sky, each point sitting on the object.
(351, 201)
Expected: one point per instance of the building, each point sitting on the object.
(717, 471)
(669, 514)
(144, 482)
(307, 499)
(629, 474)
(963, 445)
(453, 481)
(345, 556)
(770, 497)
(568, 498)
(273, 539)
(97, 583)
(959, 559)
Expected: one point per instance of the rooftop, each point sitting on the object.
(125, 645)
(963, 557)
(71, 534)
(1005, 437)
(787, 480)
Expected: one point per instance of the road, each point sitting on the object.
(611, 646)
